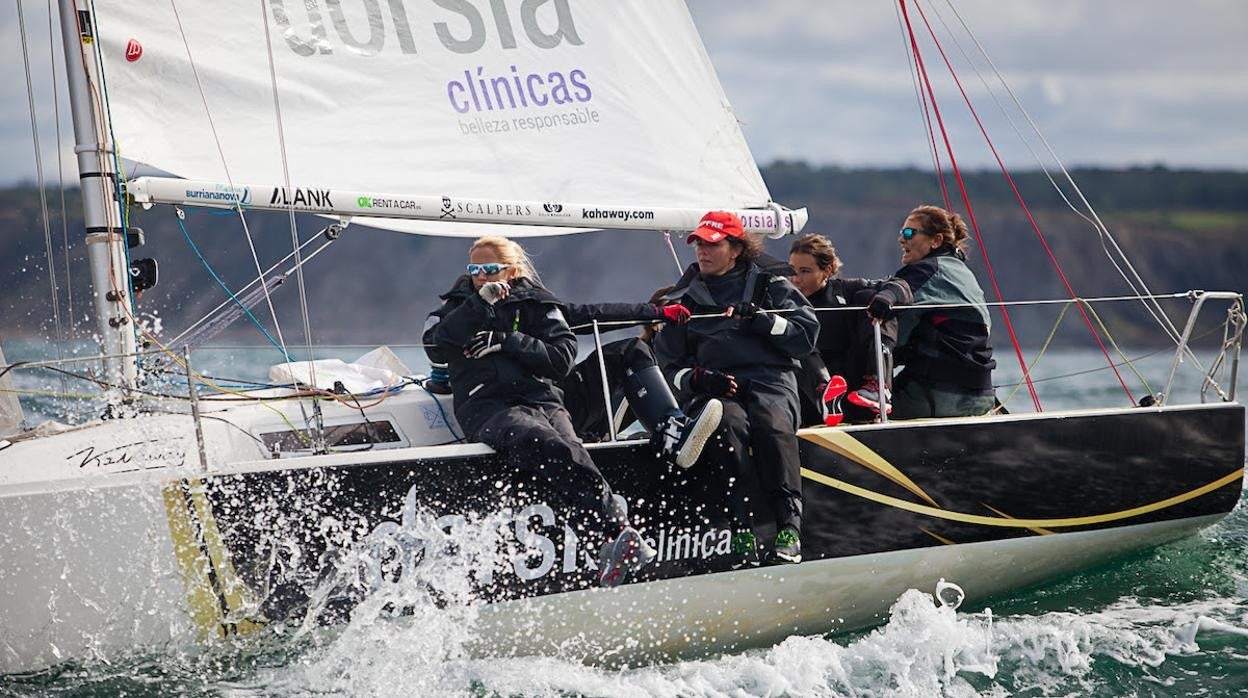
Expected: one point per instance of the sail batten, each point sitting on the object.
(562, 101)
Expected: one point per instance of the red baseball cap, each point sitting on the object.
(716, 226)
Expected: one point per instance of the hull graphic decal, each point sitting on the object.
(1021, 523)
(1002, 514)
(217, 597)
(937, 536)
(840, 442)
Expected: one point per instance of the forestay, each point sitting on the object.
(484, 103)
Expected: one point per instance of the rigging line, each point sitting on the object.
(1118, 349)
(1126, 361)
(212, 125)
(1103, 231)
(117, 207)
(1014, 126)
(60, 175)
(43, 197)
(1034, 362)
(228, 292)
(667, 235)
(123, 210)
(277, 325)
(266, 278)
(294, 232)
(854, 309)
(921, 99)
(992, 276)
(1021, 202)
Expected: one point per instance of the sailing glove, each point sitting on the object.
(494, 291)
(708, 381)
(484, 343)
(881, 308)
(675, 313)
(753, 319)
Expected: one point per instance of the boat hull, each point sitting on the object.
(993, 504)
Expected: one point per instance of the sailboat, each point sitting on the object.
(284, 506)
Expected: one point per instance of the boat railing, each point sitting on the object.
(1232, 340)
(1233, 329)
(1225, 363)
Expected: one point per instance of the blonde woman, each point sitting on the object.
(507, 343)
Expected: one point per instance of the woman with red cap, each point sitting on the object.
(746, 356)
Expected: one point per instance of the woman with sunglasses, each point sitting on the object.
(846, 345)
(507, 345)
(946, 350)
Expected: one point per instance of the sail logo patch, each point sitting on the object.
(318, 198)
(134, 50)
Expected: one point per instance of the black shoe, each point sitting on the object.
(680, 439)
(788, 546)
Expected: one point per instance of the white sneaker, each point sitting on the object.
(681, 439)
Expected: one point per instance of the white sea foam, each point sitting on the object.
(923, 650)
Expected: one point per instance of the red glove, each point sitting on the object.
(675, 313)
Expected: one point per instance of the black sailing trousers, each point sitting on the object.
(538, 441)
(759, 428)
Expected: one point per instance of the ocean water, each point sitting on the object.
(1172, 621)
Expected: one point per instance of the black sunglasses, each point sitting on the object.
(907, 233)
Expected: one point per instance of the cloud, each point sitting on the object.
(1150, 81)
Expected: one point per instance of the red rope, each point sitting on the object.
(931, 139)
(970, 213)
(1026, 210)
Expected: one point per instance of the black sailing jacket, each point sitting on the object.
(949, 347)
(539, 349)
(758, 348)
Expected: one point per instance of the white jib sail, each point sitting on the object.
(614, 103)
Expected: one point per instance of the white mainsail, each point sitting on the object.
(614, 103)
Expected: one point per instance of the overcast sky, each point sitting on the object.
(1109, 82)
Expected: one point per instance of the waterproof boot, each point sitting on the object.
(679, 438)
(788, 546)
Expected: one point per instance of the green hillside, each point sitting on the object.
(1181, 230)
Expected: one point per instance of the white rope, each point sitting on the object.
(212, 126)
(60, 175)
(667, 235)
(1155, 310)
(43, 197)
(294, 231)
